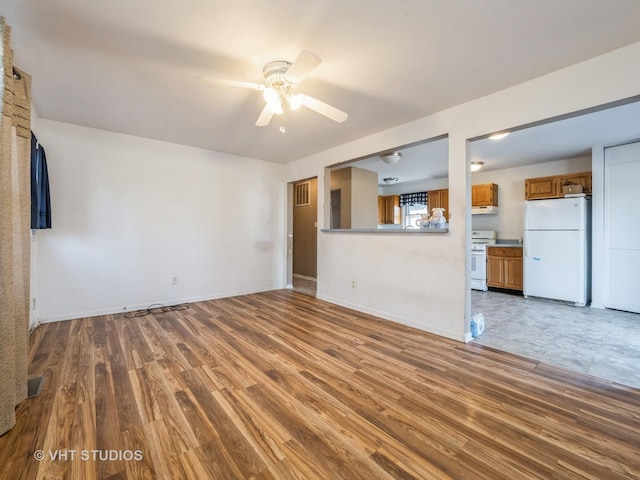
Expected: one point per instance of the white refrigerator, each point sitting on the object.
(557, 249)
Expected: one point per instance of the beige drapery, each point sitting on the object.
(15, 197)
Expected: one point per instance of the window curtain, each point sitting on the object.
(15, 219)
(40, 199)
(413, 198)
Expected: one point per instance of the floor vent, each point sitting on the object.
(34, 387)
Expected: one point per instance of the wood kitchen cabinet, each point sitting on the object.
(484, 195)
(389, 209)
(551, 187)
(381, 209)
(504, 267)
(543, 187)
(438, 199)
(583, 179)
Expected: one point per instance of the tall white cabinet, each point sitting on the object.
(622, 227)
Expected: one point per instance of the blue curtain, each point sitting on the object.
(40, 199)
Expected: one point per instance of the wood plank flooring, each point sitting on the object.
(280, 385)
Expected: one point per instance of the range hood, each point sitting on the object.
(484, 210)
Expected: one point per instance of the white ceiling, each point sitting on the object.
(131, 66)
(554, 140)
(424, 161)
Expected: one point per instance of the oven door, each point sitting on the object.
(479, 268)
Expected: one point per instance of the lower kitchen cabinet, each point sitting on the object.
(504, 267)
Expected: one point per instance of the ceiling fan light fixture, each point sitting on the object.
(280, 78)
(272, 97)
(391, 157)
(294, 101)
(475, 166)
(389, 180)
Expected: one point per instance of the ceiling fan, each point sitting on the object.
(280, 81)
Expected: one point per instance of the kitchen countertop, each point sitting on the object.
(414, 231)
(507, 243)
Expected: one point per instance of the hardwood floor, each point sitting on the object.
(280, 385)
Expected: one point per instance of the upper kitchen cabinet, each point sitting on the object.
(484, 195)
(542, 187)
(583, 179)
(439, 199)
(389, 209)
(551, 187)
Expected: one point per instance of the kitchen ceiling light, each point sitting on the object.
(498, 136)
(391, 158)
(388, 180)
(475, 166)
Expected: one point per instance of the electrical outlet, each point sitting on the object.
(33, 303)
(174, 280)
(354, 283)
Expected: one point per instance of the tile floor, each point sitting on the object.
(602, 343)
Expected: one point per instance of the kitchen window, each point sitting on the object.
(413, 214)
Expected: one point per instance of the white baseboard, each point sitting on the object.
(142, 306)
(397, 319)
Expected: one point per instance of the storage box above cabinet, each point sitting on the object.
(551, 187)
(484, 195)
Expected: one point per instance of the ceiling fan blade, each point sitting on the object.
(265, 117)
(301, 66)
(231, 83)
(323, 108)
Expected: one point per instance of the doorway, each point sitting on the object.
(304, 235)
(599, 341)
(335, 208)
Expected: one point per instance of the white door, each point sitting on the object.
(622, 227)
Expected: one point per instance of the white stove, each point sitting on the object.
(479, 241)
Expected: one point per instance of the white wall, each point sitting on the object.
(423, 280)
(131, 213)
(509, 222)
(364, 198)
